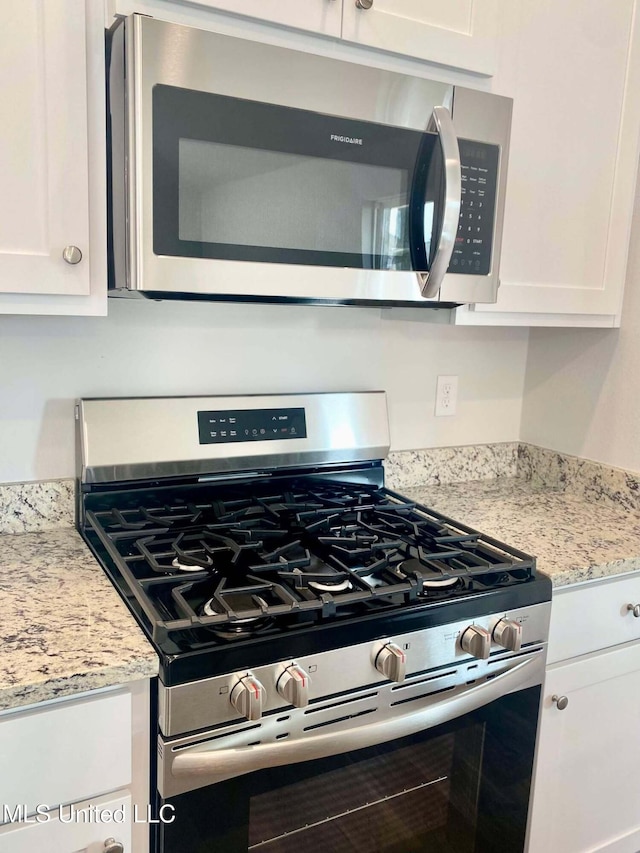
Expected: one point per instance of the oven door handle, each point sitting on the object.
(203, 766)
(442, 122)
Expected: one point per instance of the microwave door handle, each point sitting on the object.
(441, 121)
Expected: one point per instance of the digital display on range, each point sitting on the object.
(223, 427)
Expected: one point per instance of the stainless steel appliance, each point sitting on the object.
(241, 170)
(340, 668)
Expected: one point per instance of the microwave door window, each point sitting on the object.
(256, 204)
(391, 234)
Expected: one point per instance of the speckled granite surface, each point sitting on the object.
(434, 465)
(63, 627)
(583, 478)
(27, 507)
(573, 539)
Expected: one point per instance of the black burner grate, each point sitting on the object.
(241, 559)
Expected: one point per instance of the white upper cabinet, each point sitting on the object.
(457, 33)
(321, 16)
(47, 71)
(573, 70)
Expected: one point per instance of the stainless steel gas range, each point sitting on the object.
(340, 668)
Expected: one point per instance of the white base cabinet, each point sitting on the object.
(69, 832)
(586, 795)
(75, 773)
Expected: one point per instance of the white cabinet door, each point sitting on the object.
(573, 71)
(52, 157)
(586, 796)
(458, 33)
(320, 16)
(70, 832)
(44, 183)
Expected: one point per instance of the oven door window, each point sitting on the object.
(242, 180)
(462, 787)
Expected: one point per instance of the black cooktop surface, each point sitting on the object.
(209, 566)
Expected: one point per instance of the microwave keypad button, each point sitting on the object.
(472, 253)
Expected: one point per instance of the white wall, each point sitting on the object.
(146, 348)
(582, 390)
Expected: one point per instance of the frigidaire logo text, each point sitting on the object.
(351, 140)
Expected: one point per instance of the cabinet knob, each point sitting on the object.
(561, 701)
(635, 609)
(72, 254)
(113, 846)
(364, 4)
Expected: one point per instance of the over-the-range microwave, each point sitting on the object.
(240, 170)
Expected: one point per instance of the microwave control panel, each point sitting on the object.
(472, 251)
(232, 425)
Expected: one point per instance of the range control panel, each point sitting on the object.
(472, 252)
(222, 427)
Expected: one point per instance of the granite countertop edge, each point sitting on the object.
(17, 696)
(65, 630)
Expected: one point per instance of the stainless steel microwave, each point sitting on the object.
(244, 171)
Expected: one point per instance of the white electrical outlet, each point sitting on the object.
(446, 395)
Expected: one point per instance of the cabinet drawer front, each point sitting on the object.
(593, 616)
(65, 753)
(72, 833)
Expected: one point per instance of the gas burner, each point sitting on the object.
(430, 578)
(317, 577)
(209, 609)
(329, 586)
(234, 631)
(438, 583)
(184, 565)
(238, 628)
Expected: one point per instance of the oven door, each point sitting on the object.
(456, 786)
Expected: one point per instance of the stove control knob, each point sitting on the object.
(247, 696)
(293, 685)
(477, 641)
(391, 661)
(508, 634)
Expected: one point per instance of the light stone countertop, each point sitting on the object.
(63, 627)
(65, 630)
(572, 538)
